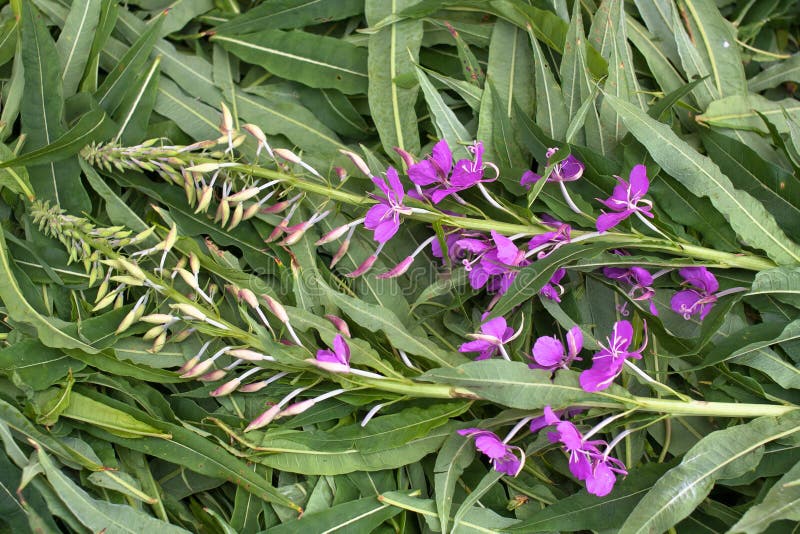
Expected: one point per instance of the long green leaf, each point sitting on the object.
(447, 124)
(781, 502)
(314, 60)
(783, 283)
(551, 112)
(100, 515)
(392, 106)
(749, 219)
(362, 515)
(787, 70)
(454, 457)
(722, 454)
(741, 112)
(75, 42)
(286, 14)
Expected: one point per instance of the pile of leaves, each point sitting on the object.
(399, 266)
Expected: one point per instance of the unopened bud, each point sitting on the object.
(236, 218)
(293, 237)
(248, 297)
(194, 263)
(251, 211)
(408, 159)
(182, 335)
(277, 207)
(211, 166)
(254, 386)
(190, 311)
(213, 376)
(105, 301)
(227, 388)
(157, 318)
(223, 212)
(144, 234)
(341, 173)
(340, 253)
(358, 162)
(154, 332)
(158, 343)
(226, 124)
(244, 194)
(172, 237)
(256, 132)
(365, 266)
(264, 419)
(332, 367)
(199, 369)
(205, 200)
(250, 355)
(276, 308)
(296, 408)
(126, 322)
(189, 364)
(398, 269)
(288, 155)
(340, 324)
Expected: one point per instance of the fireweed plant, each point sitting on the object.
(179, 299)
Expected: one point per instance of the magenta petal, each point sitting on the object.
(529, 177)
(386, 230)
(490, 445)
(441, 194)
(639, 182)
(574, 341)
(424, 173)
(548, 352)
(569, 435)
(394, 183)
(375, 215)
(381, 183)
(642, 276)
(342, 349)
(571, 169)
(495, 327)
(508, 464)
(325, 355)
(684, 302)
(601, 480)
(474, 346)
(470, 431)
(507, 251)
(442, 157)
(622, 335)
(607, 221)
(580, 465)
(599, 377)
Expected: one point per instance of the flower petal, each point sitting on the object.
(601, 480)
(607, 221)
(548, 352)
(424, 173)
(684, 302)
(639, 182)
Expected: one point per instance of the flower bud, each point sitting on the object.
(158, 343)
(288, 155)
(205, 200)
(154, 332)
(276, 308)
(190, 311)
(250, 355)
(340, 253)
(296, 408)
(365, 266)
(248, 297)
(182, 335)
(340, 324)
(126, 322)
(227, 388)
(398, 269)
(223, 212)
(333, 235)
(357, 161)
(236, 218)
(256, 132)
(199, 369)
(254, 386)
(244, 194)
(189, 364)
(226, 123)
(264, 419)
(251, 211)
(408, 159)
(213, 376)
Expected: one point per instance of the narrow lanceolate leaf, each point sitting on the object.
(136, 108)
(551, 112)
(115, 421)
(653, 52)
(454, 457)
(658, 18)
(50, 330)
(75, 42)
(315, 60)
(480, 520)
(715, 41)
(92, 126)
(783, 283)
(693, 64)
(514, 385)
(99, 515)
(782, 501)
(574, 80)
(362, 515)
(787, 70)
(447, 124)
(741, 112)
(121, 78)
(748, 217)
(531, 279)
(42, 110)
(723, 454)
(393, 51)
(285, 14)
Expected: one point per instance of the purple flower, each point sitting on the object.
(548, 352)
(567, 170)
(607, 364)
(494, 334)
(545, 244)
(698, 299)
(436, 171)
(336, 360)
(538, 423)
(627, 200)
(586, 462)
(639, 279)
(384, 217)
(553, 289)
(501, 454)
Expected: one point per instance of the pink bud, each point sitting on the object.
(341, 173)
(408, 159)
(264, 419)
(288, 155)
(188, 365)
(365, 266)
(276, 308)
(249, 297)
(199, 369)
(331, 367)
(297, 408)
(340, 253)
(340, 324)
(398, 269)
(276, 232)
(277, 207)
(250, 355)
(254, 386)
(227, 388)
(333, 235)
(213, 376)
(357, 161)
(256, 132)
